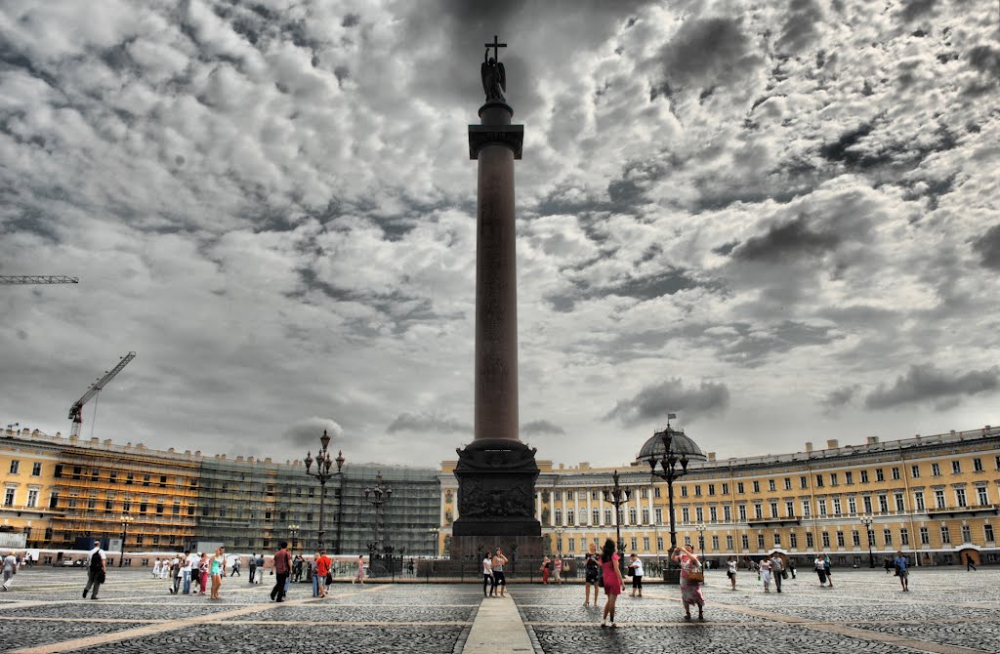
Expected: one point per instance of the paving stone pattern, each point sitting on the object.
(866, 611)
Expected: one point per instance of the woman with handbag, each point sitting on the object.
(613, 582)
(691, 580)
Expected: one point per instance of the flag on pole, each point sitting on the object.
(671, 416)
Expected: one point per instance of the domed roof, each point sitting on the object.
(680, 445)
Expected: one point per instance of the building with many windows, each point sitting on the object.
(935, 497)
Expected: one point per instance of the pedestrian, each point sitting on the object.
(97, 571)
(499, 580)
(175, 574)
(236, 568)
(282, 568)
(826, 568)
(359, 575)
(613, 583)
(592, 571)
(252, 565)
(691, 580)
(635, 565)
(968, 562)
(204, 567)
(190, 563)
(322, 570)
(731, 571)
(791, 567)
(777, 570)
(260, 568)
(820, 565)
(546, 569)
(902, 566)
(10, 569)
(217, 570)
(765, 574)
(488, 575)
(557, 567)
(156, 568)
(196, 575)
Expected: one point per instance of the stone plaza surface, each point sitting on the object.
(948, 611)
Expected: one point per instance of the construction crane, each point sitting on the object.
(76, 411)
(40, 279)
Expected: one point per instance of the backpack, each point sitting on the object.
(95, 561)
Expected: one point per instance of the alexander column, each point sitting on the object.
(496, 472)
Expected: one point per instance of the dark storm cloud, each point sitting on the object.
(987, 247)
(306, 433)
(985, 59)
(917, 8)
(428, 422)
(799, 31)
(538, 427)
(839, 398)
(653, 403)
(787, 241)
(707, 52)
(928, 383)
(755, 345)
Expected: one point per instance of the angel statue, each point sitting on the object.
(494, 79)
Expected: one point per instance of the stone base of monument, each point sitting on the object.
(496, 500)
(672, 576)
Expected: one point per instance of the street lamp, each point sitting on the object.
(559, 533)
(618, 495)
(867, 521)
(323, 474)
(126, 521)
(294, 531)
(378, 495)
(673, 451)
(700, 528)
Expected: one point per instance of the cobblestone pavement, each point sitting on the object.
(947, 612)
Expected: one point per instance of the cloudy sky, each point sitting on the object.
(777, 218)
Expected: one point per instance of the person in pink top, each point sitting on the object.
(613, 583)
(690, 589)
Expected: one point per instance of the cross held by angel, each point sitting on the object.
(493, 73)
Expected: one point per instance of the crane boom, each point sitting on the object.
(39, 279)
(76, 411)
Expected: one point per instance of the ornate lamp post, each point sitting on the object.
(293, 530)
(867, 521)
(378, 495)
(323, 474)
(126, 521)
(701, 540)
(672, 450)
(618, 495)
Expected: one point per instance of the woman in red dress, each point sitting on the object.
(613, 583)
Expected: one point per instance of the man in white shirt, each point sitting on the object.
(9, 570)
(97, 565)
(190, 563)
(635, 564)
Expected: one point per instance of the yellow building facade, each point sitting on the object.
(937, 498)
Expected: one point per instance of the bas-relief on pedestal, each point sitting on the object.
(496, 472)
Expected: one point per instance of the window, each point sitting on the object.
(904, 536)
(966, 534)
(659, 543)
(956, 467)
(725, 489)
(758, 511)
(130, 478)
(15, 465)
(883, 504)
(95, 474)
(826, 539)
(793, 540)
(684, 491)
(715, 543)
(819, 481)
(774, 508)
(895, 473)
(739, 484)
(849, 478)
(945, 536)
(822, 508)
(742, 508)
(777, 539)
(557, 496)
(770, 485)
(806, 509)
(727, 513)
(887, 538)
(856, 538)
(879, 474)
(631, 515)
(57, 472)
(656, 492)
(760, 541)
(788, 483)
(8, 496)
(32, 498)
(92, 503)
(790, 508)
(756, 486)
(177, 508)
(145, 480)
(746, 541)
(988, 532)
(983, 495)
(642, 494)
(840, 539)
(711, 489)
(918, 500)
(713, 514)
(596, 516)
(810, 541)
(960, 497)
(659, 516)
(729, 542)
(697, 491)
(915, 472)
(686, 515)
(163, 481)
(833, 478)
(558, 515)
(143, 506)
(936, 469)
(852, 505)
(159, 508)
(925, 537)
(570, 516)
(607, 517)
(699, 514)
(864, 476)
(645, 517)
(867, 502)
(939, 498)
(977, 465)
(803, 482)
(836, 506)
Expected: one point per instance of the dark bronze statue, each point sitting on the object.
(494, 75)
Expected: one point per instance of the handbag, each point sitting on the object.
(696, 575)
(631, 572)
(329, 578)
